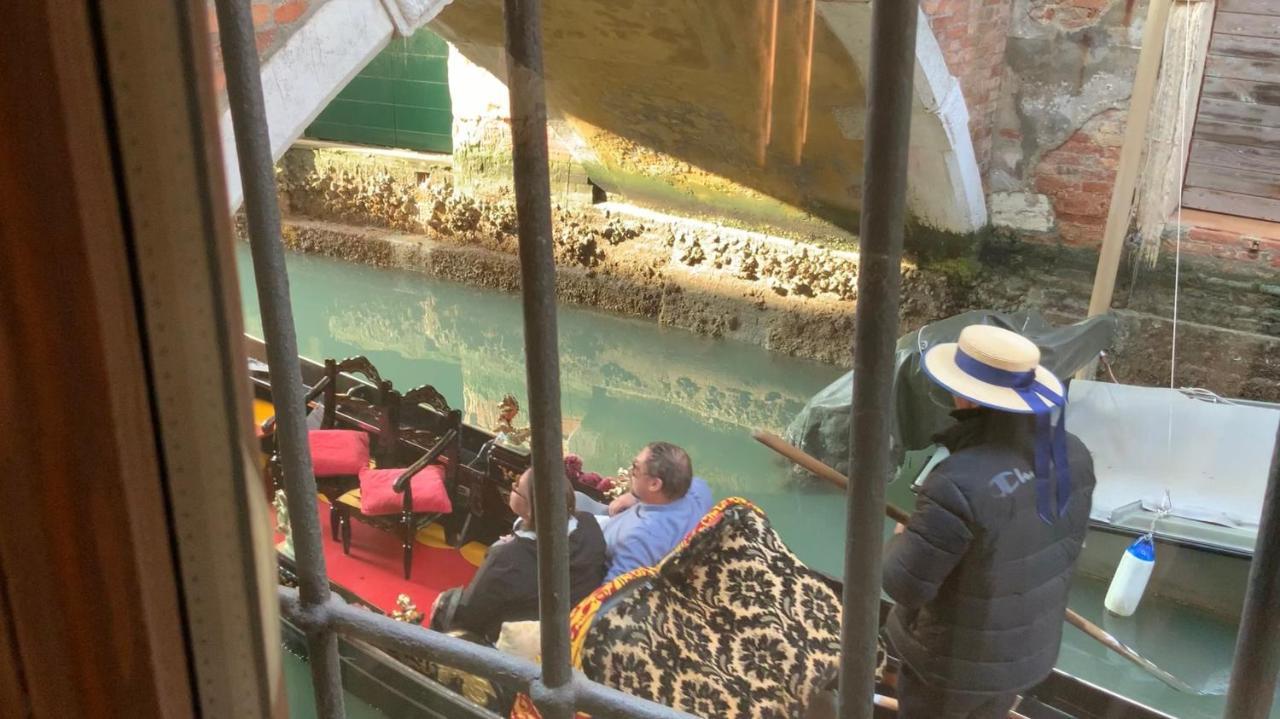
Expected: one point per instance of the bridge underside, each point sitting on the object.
(748, 110)
(752, 109)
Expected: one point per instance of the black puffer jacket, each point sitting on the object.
(979, 579)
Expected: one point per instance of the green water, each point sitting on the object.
(626, 382)
(302, 700)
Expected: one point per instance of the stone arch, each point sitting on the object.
(941, 145)
(317, 59)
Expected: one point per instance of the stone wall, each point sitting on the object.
(786, 295)
(1069, 68)
(1077, 177)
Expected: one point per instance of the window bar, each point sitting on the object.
(505, 670)
(889, 99)
(553, 693)
(1256, 664)
(257, 173)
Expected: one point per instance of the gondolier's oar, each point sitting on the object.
(811, 463)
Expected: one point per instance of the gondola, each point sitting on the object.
(487, 469)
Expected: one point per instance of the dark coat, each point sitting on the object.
(505, 587)
(980, 581)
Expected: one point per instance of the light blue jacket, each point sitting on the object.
(645, 533)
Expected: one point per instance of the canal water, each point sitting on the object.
(626, 382)
(302, 698)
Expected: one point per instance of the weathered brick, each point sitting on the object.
(262, 15)
(1213, 237)
(1050, 185)
(264, 39)
(290, 11)
(1080, 204)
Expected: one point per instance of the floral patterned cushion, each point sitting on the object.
(732, 625)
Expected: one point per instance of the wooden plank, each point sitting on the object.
(1135, 131)
(1262, 159)
(1228, 203)
(1232, 179)
(1253, 7)
(1242, 68)
(1240, 112)
(1235, 134)
(1234, 23)
(1257, 48)
(1251, 91)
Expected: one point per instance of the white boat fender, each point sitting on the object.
(1130, 580)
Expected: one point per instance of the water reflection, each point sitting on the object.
(623, 382)
(626, 382)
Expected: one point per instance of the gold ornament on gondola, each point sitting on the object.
(621, 484)
(406, 611)
(508, 408)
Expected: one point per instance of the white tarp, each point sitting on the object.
(1212, 458)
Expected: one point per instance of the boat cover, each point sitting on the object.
(921, 408)
(1211, 456)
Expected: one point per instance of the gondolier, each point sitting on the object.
(981, 570)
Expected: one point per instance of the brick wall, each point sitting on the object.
(273, 20)
(972, 35)
(1069, 14)
(1077, 177)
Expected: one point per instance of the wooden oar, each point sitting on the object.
(811, 463)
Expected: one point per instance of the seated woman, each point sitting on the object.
(505, 588)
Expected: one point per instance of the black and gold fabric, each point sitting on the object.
(732, 625)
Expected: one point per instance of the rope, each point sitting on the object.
(1184, 151)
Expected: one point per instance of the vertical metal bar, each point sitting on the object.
(253, 148)
(889, 96)
(538, 285)
(1256, 665)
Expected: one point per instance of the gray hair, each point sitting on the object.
(672, 465)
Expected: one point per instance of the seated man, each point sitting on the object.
(505, 588)
(664, 504)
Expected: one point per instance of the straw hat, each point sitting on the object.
(1001, 359)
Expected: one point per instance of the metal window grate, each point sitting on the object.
(553, 685)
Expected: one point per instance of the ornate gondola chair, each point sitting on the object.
(339, 453)
(409, 497)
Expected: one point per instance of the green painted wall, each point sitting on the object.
(400, 99)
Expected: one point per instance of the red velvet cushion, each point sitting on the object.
(338, 451)
(378, 494)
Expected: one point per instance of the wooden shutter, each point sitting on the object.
(1234, 166)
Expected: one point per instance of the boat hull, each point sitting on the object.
(1206, 579)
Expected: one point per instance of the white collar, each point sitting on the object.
(519, 530)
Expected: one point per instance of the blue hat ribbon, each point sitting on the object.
(1051, 441)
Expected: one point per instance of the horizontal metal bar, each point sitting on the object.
(603, 702)
(506, 670)
(390, 635)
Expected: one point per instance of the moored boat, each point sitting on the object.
(1207, 454)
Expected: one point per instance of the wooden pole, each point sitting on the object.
(1135, 132)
